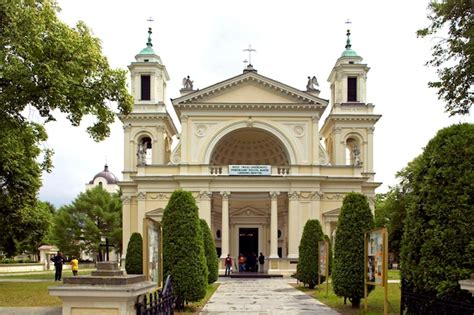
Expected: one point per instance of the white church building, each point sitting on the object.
(253, 152)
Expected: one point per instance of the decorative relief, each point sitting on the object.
(205, 195)
(141, 196)
(370, 130)
(250, 122)
(299, 131)
(274, 195)
(315, 118)
(184, 118)
(176, 155)
(336, 196)
(323, 155)
(125, 200)
(200, 130)
(225, 195)
(317, 195)
(294, 195)
(160, 196)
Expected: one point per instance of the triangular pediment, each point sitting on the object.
(248, 212)
(250, 88)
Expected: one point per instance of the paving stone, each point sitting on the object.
(262, 297)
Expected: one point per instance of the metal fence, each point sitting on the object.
(160, 302)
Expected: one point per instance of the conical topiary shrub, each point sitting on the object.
(134, 257)
(348, 270)
(183, 248)
(210, 252)
(307, 268)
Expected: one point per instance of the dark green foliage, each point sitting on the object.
(330, 254)
(438, 242)
(183, 248)
(94, 214)
(307, 268)
(348, 272)
(390, 212)
(210, 252)
(453, 54)
(134, 257)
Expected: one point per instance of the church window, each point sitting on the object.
(145, 88)
(352, 89)
(100, 184)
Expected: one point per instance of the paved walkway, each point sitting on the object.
(262, 297)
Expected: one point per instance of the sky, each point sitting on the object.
(294, 39)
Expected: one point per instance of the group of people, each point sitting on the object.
(249, 263)
(59, 261)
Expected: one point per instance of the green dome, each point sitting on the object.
(349, 52)
(147, 51)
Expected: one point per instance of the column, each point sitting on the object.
(140, 212)
(274, 225)
(183, 139)
(339, 148)
(205, 198)
(126, 228)
(293, 225)
(225, 224)
(369, 158)
(315, 136)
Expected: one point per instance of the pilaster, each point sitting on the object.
(293, 224)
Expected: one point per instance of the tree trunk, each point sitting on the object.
(355, 302)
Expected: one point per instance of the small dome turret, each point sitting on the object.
(349, 52)
(107, 175)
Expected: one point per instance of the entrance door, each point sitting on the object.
(248, 246)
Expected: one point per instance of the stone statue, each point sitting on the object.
(141, 154)
(187, 83)
(356, 156)
(312, 84)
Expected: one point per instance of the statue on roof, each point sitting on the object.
(356, 156)
(141, 154)
(187, 83)
(312, 84)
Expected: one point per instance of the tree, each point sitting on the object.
(454, 55)
(46, 66)
(330, 254)
(307, 268)
(183, 248)
(134, 257)
(390, 212)
(438, 241)
(94, 214)
(210, 252)
(348, 272)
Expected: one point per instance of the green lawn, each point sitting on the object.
(45, 275)
(394, 274)
(195, 308)
(375, 300)
(23, 294)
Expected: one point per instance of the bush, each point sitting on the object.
(330, 254)
(183, 248)
(438, 242)
(307, 268)
(348, 271)
(134, 257)
(210, 253)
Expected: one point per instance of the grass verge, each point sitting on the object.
(195, 308)
(45, 275)
(27, 294)
(375, 300)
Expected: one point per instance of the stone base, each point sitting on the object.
(94, 299)
(104, 280)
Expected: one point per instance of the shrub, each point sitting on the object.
(330, 254)
(183, 248)
(348, 271)
(210, 253)
(437, 245)
(307, 268)
(134, 257)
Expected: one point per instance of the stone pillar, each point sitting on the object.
(293, 224)
(183, 139)
(205, 198)
(126, 228)
(339, 148)
(274, 225)
(128, 149)
(141, 212)
(315, 136)
(369, 158)
(225, 224)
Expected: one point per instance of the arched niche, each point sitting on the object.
(249, 146)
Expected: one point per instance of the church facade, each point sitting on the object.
(254, 153)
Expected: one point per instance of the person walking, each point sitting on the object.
(228, 265)
(261, 261)
(58, 261)
(242, 261)
(74, 265)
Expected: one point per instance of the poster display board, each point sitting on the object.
(376, 262)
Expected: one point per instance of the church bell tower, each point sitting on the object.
(349, 128)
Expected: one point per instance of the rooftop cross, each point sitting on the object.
(106, 245)
(250, 50)
(348, 41)
(150, 20)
